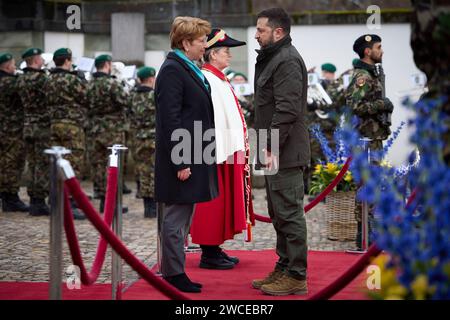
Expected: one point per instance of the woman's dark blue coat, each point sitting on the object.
(181, 99)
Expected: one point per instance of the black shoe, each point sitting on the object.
(102, 206)
(234, 260)
(198, 285)
(12, 203)
(77, 214)
(182, 283)
(149, 208)
(215, 263)
(38, 207)
(96, 195)
(125, 189)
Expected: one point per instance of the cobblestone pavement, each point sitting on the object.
(24, 240)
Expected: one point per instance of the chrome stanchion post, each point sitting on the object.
(116, 159)
(56, 221)
(365, 208)
(364, 241)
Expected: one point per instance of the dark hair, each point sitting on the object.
(277, 18)
(100, 65)
(59, 61)
(369, 45)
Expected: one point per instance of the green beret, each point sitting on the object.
(240, 74)
(103, 58)
(5, 57)
(329, 67)
(355, 61)
(146, 72)
(365, 41)
(31, 52)
(62, 52)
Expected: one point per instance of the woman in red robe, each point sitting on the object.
(231, 212)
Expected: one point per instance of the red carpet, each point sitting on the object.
(234, 284)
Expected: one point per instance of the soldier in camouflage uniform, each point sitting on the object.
(12, 154)
(365, 98)
(108, 106)
(67, 104)
(333, 111)
(142, 118)
(430, 41)
(36, 130)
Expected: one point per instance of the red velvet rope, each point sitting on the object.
(321, 196)
(71, 235)
(83, 203)
(352, 272)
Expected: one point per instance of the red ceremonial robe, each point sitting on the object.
(227, 215)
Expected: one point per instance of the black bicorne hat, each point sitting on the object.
(218, 38)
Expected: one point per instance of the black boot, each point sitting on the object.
(12, 203)
(77, 214)
(125, 189)
(102, 206)
(182, 283)
(38, 207)
(149, 208)
(213, 259)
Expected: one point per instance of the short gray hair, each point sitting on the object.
(207, 55)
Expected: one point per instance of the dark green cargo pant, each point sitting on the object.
(285, 203)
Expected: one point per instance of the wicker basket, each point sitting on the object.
(340, 213)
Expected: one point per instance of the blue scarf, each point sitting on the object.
(193, 67)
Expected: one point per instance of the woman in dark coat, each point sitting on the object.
(185, 170)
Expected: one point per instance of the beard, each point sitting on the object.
(269, 42)
(376, 59)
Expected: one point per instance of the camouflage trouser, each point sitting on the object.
(145, 164)
(38, 163)
(99, 157)
(12, 162)
(71, 137)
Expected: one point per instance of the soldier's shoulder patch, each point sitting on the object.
(361, 81)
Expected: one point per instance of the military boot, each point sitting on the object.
(77, 214)
(285, 285)
(12, 203)
(38, 207)
(271, 277)
(149, 208)
(125, 189)
(102, 206)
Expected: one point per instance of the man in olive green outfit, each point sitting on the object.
(108, 106)
(36, 132)
(280, 104)
(12, 152)
(142, 119)
(67, 103)
(365, 96)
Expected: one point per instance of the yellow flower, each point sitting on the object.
(388, 278)
(348, 176)
(419, 287)
(397, 291)
(393, 297)
(386, 164)
(331, 167)
(318, 168)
